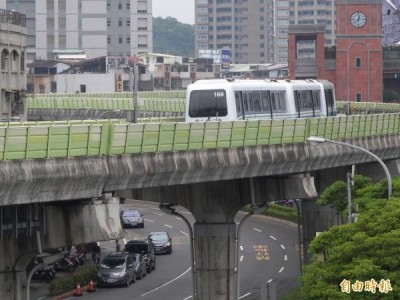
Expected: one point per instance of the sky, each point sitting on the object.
(182, 10)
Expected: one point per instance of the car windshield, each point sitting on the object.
(158, 237)
(131, 213)
(136, 248)
(113, 263)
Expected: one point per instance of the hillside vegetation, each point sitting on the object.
(173, 37)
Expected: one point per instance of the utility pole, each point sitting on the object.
(132, 116)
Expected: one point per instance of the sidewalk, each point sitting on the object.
(40, 290)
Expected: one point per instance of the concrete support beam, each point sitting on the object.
(67, 223)
(74, 223)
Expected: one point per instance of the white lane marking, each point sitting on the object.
(241, 247)
(283, 247)
(167, 283)
(149, 220)
(158, 214)
(272, 237)
(184, 233)
(281, 269)
(169, 226)
(285, 257)
(269, 281)
(256, 229)
(245, 295)
(241, 258)
(190, 297)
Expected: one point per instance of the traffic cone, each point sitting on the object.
(91, 288)
(78, 291)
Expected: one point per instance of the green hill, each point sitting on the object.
(173, 37)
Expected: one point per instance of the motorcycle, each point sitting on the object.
(64, 265)
(46, 273)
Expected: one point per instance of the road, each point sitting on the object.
(267, 254)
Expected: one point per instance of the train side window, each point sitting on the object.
(246, 107)
(237, 102)
(265, 101)
(256, 102)
(278, 101)
(317, 100)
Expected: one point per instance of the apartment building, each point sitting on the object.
(256, 31)
(98, 27)
(243, 26)
(12, 66)
(304, 12)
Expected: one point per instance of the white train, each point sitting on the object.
(237, 99)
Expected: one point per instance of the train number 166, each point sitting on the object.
(219, 94)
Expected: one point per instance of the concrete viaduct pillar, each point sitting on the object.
(214, 206)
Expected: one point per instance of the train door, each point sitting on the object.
(330, 102)
(239, 106)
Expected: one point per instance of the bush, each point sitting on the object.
(67, 284)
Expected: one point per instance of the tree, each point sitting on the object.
(358, 253)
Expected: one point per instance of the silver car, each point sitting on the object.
(117, 268)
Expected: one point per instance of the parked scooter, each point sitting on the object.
(78, 259)
(46, 273)
(64, 265)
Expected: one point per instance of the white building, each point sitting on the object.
(98, 27)
(12, 65)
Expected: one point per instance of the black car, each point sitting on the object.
(131, 218)
(117, 268)
(162, 242)
(145, 248)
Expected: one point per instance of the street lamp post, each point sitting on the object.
(315, 139)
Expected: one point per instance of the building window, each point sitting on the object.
(29, 87)
(128, 5)
(120, 22)
(41, 89)
(108, 22)
(358, 62)
(53, 86)
(83, 88)
(108, 4)
(120, 40)
(4, 59)
(128, 22)
(358, 97)
(14, 60)
(128, 39)
(22, 61)
(108, 39)
(120, 5)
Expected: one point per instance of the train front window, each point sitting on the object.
(208, 103)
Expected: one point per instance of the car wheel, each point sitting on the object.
(143, 225)
(153, 266)
(149, 269)
(134, 278)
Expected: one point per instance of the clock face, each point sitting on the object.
(358, 19)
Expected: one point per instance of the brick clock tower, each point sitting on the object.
(359, 50)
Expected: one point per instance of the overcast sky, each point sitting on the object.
(182, 10)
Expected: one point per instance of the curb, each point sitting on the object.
(69, 294)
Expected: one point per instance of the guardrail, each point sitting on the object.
(168, 101)
(95, 138)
